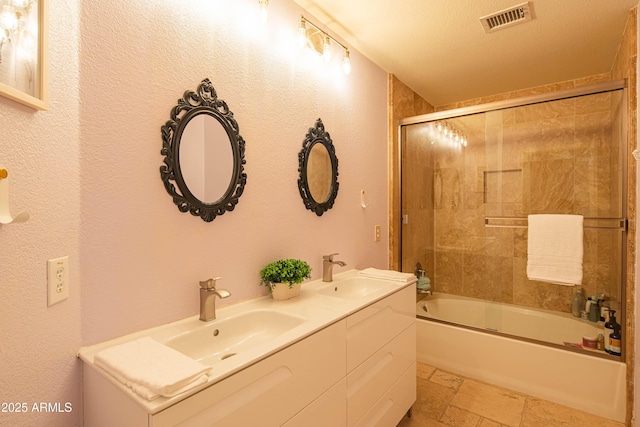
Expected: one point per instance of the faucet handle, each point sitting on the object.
(209, 284)
(329, 257)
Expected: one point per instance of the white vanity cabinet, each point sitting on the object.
(381, 361)
(267, 393)
(356, 368)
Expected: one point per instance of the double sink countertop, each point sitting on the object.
(245, 333)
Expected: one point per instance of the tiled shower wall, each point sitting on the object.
(555, 157)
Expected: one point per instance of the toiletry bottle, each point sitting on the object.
(609, 329)
(424, 284)
(578, 302)
(587, 306)
(600, 345)
(615, 341)
(594, 310)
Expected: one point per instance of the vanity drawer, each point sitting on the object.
(371, 328)
(373, 378)
(389, 410)
(270, 392)
(330, 409)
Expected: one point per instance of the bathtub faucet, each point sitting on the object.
(327, 267)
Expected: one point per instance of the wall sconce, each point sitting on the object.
(311, 36)
(450, 133)
(264, 12)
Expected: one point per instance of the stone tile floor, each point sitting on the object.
(449, 400)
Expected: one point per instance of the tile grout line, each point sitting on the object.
(524, 409)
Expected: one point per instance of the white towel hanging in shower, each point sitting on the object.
(555, 249)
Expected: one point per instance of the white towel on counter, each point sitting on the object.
(152, 369)
(555, 249)
(396, 276)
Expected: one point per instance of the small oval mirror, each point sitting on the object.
(318, 168)
(206, 158)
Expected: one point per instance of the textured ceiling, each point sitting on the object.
(440, 50)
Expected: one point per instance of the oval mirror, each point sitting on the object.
(204, 161)
(318, 168)
(206, 158)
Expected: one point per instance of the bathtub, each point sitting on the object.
(592, 384)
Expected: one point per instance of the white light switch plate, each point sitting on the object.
(57, 280)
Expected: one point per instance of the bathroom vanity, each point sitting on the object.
(341, 354)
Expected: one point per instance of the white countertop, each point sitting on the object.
(319, 311)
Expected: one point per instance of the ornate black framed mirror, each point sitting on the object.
(203, 154)
(318, 168)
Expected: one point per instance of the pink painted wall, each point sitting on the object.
(40, 149)
(88, 171)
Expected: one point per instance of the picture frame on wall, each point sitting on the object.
(23, 52)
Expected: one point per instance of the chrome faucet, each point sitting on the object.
(327, 267)
(208, 294)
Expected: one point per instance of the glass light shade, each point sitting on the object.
(346, 63)
(264, 12)
(302, 33)
(326, 49)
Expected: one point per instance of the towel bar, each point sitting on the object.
(601, 223)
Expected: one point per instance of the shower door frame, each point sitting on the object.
(530, 100)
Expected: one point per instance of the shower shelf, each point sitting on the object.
(521, 222)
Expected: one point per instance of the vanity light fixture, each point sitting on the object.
(313, 37)
(264, 12)
(449, 132)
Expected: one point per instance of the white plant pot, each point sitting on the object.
(282, 291)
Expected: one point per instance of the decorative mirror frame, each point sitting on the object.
(317, 135)
(203, 101)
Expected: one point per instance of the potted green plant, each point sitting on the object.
(283, 277)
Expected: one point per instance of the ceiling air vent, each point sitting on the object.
(505, 18)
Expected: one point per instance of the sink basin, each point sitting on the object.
(353, 288)
(224, 338)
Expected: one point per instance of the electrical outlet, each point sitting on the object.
(376, 233)
(57, 280)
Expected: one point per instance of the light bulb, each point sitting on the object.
(346, 62)
(302, 32)
(8, 19)
(326, 49)
(439, 127)
(264, 13)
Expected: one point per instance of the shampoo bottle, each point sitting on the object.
(615, 341)
(609, 329)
